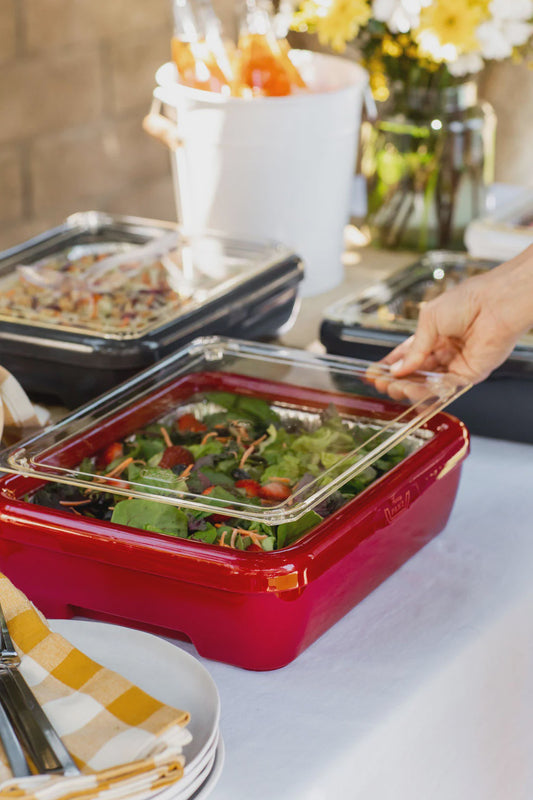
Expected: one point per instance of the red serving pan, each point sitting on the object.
(251, 609)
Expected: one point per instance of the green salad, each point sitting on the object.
(233, 448)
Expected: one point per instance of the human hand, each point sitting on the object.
(414, 390)
(471, 329)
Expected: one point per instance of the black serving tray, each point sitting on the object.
(253, 295)
(370, 324)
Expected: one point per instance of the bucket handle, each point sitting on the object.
(163, 129)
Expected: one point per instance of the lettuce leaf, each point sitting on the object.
(164, 480)
(289, 466)
(324, 439)
(289, 532)
(151, 515)
(210, 448)
(247, 407)
(144, 448)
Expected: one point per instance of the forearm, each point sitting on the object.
(510, 292)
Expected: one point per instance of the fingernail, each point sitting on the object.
(397, 366)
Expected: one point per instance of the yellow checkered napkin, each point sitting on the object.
(126, 743)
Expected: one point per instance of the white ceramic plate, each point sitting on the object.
(160, 668)
(208, 785)
(203, 785)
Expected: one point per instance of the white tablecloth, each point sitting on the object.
(425, 690)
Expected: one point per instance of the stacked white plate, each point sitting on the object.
(205, 754)
(172, 676)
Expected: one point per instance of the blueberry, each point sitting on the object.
(240, 474)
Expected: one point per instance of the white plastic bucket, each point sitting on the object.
(271, 168)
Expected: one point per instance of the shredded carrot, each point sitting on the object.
(119, 468)
(255, 535)
(251, 532)
(74, 502)
(273, 478)
(208, 436)
(166, 437)
(240, 432)
(247, 453)
(95, 300)
(187, 471)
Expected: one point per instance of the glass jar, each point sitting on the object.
(427, 159)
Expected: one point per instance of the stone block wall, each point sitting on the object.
(76, 79)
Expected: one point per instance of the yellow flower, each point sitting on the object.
(304, 19)
(342, 22)
(378, 79)
(391, 47)
(447, 24)
(483, 6)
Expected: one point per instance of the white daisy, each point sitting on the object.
(466, 64)
(511, 9)
(400, 16)
(498, 36)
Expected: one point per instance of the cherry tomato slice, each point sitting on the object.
(275, 492)
(110, 453)
(188, 423)
(251, 487)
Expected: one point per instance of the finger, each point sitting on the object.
(431, 364)
(426, 336)
(443, 354)
(408, 390)
(398, 352)
(381, 383)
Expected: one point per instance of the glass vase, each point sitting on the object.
(427, 160)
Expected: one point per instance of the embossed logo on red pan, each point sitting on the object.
(401, 502)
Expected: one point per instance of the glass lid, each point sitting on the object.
(246, 430)
(393, 304)
(125, 289)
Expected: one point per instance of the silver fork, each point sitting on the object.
(34, 729)
(12, 747)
